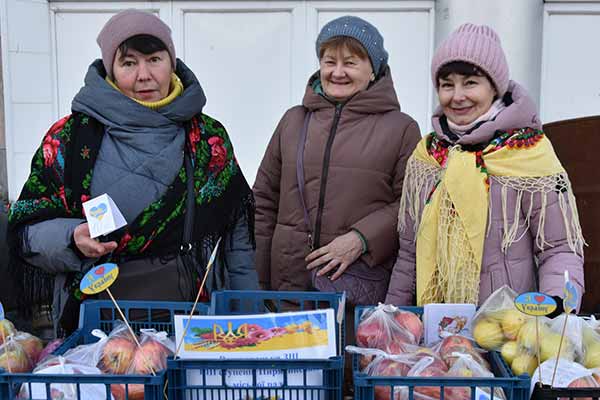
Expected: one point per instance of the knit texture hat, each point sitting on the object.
(130, 23)
(478, 45)
(360, 30)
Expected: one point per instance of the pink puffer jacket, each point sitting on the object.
(524, 266)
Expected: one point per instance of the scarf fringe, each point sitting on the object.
(418, 178)
(542, 186)
(421, 176)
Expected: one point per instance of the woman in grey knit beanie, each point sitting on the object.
(328, 187)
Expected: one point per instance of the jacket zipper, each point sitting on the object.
(324, 173)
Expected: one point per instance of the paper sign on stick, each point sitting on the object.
(103, 215)
(99, 278)
(1, 312)
(535, 303)
(571, 295)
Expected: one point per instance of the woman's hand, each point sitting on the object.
(342, 252)
(88, 246)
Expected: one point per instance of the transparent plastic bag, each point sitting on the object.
(568, 374)
(388, 328)
(390, 366)
(498, 321)
(7, 328)
(13, 357)
(467, 367)
(66, 391)
(451, 347)
(32, 345)
(590, 346)
(118, 351)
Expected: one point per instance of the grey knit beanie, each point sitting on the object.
(360, 30)
(127, 24)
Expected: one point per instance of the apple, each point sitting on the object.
(117, 355)
(412, 323)
(421, 369)
(388, 367)
(32, 346)
(524, 364)
(549, 345)
(450, 343)
(151, 356)
(12, 355)
(134, 392)
(6, 329)
(509, 351)
(511, 322)
(379, 335)
(584, 382)
(488, 334)
(592, 355)
(453, 356)
(436, 361)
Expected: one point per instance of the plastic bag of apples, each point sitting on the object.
(388, 328)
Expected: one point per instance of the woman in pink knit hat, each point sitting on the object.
(485, 201)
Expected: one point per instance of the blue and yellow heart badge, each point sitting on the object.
(535, 303)
(99, 278)
(99, 211)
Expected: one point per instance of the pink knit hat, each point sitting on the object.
(127, 24)
(478, 45)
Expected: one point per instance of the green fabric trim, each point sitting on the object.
(365, 247)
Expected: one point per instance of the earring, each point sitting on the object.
(372, 76)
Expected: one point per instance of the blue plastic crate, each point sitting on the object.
(515, 388)
(208, 379)
(100, 314)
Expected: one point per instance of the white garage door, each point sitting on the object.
(253, 59)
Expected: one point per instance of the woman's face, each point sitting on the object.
(344, 74)
(465, 98)
(145, 77)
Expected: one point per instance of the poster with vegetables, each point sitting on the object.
(296, 335)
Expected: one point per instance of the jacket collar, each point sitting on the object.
(520, 112)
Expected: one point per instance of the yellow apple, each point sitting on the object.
(549, 347)
(509, 351)
(511, 323)
(524, 364)
(592, 355)
(488, 334)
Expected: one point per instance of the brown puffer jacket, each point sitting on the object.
(363, 145)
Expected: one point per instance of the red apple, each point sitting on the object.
(152, 356)
(388, 367)
(134, 392)
(437, 362)
(454, 341)
(584, 382)
(411, 323)
(12, 355)
(454, 355)
(429, 391)
(32, 346)
(117, 355)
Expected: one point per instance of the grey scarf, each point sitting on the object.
(142, 149)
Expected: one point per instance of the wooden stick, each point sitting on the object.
(7, 354)
(562, 336)
(130, 330)
(537, 334)
(187, 325)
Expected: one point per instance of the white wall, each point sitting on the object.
(253, 58)
(571, 61)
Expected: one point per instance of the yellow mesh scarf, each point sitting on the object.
(450, 233)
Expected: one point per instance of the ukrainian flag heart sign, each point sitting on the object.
(99, 278)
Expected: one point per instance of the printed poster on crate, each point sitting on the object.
(285, 336)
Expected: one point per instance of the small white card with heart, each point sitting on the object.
(103, 215)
